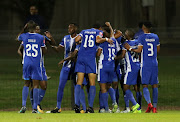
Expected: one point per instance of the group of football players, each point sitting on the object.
(129, 58)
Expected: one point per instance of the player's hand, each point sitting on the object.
(108, 24)
(110, 41)
(127, 46)
(61, 62)
(48, 34)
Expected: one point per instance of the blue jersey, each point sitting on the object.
(132, 58)
(69, 46)
(149, 41)
(137, 34)
(32, 43)
(108, 53)
(88, 45)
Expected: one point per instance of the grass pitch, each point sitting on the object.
(70, 116)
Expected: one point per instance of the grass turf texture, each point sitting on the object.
(11, 83)
(71, 116)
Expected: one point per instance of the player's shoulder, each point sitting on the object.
(154, 35)
(66, 36)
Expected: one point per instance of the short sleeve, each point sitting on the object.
(157, 40)
(117, 46)
(47, 39)
(20, 37)
(100, 33)
(140, 41)
(81, 33)
(101, 45)
(62, 42)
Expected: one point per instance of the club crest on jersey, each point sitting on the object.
(101, 34)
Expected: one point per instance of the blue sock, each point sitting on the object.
(126, 100)
(130, 96)
(60, 92)
(92, 92)
(105, 100)
(31, 97)
(41, 95)
(155, 97)
(82, 100)
(112, 94)
(25, 92)
(77, 94)
(117, 95)
(146, 95)
(101, 105)
(35, 97)
(139, 98)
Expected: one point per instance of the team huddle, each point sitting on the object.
(130, 58)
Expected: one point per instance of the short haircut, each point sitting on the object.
(31, 25)
(106, 28)
(147, 24)
(131, 32)
(75, 24)
(97, 25)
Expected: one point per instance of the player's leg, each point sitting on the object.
(92, 91)
(145, 78)
(25, 92)
(138, 92)
(35, 95)
(154, 83)
(104, 95)
(116, 91)
(62, 82)
(130, 96)
(42, 91)
(155, 97)
(31, 94)
(80, 78)
(82, 99)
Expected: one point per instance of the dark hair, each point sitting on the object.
(106, 28)
(34, 6)
(97, 25)
(147, 24)
(75, 24)
(31, 25)
(131, 33)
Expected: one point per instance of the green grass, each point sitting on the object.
(165, 116)
(11, 83)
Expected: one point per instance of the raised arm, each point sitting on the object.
(22, 31)
(117, 34)
(101, 40)
(52, 42)
(111, 30)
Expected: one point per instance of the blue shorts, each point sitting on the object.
(106, 75)
(86, 65)
(44, 75)
(31, 71)
(149, 75)
(131, 76)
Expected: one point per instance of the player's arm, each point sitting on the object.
(52, 42)
(101, 40)
(78, 39)
(158, 48)
(117, 34)
(20, 50)
(111, 30)
(99, 52)
(44, 49)
(72, 55)
(58, 48)
(22, 31)
(121, 56)
(138, 50)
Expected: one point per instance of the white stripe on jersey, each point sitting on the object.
(128, 62)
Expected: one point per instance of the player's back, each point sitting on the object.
(109, 51)
(32, 43)
(132, 58)
(150, 41)
(88, 45)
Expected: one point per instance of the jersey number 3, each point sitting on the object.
(34, 49)
(150, 49)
